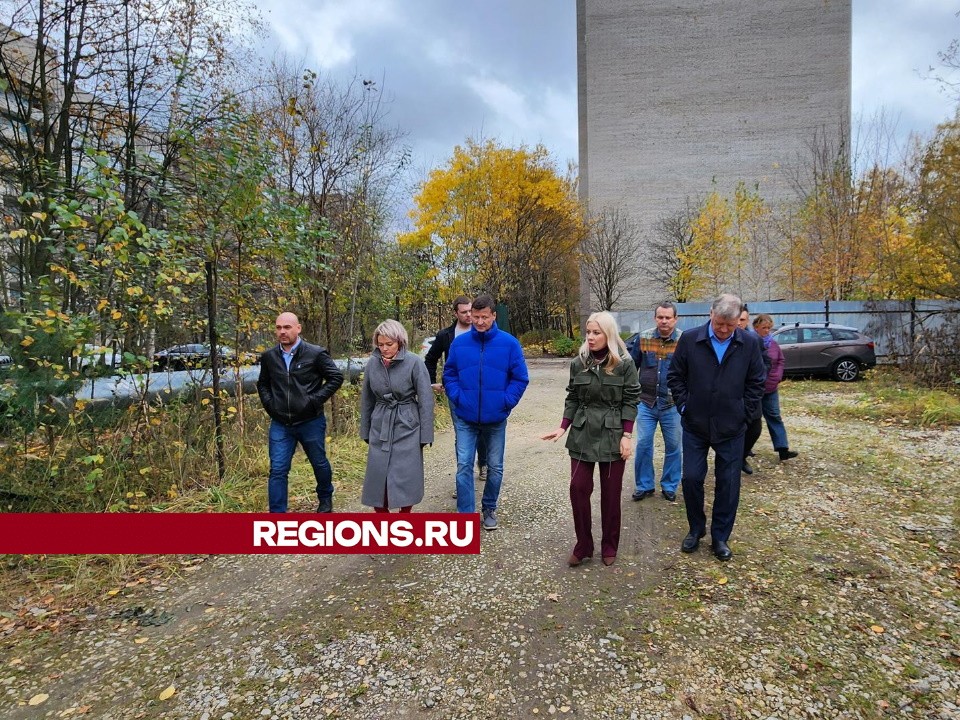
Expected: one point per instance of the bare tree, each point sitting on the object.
(666, 256)
(610, 252)
(339, 157)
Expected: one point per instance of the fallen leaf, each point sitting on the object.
(877, 629)
(553, 597)
(362, 661)
(113, 592)
(722, 581)
(140, 640)
(37, 699)
(168, 693)
(16, 661)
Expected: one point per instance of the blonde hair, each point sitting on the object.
(762, 318)
(392, 330)
(608, 326)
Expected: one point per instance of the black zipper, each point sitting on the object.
(483, 344)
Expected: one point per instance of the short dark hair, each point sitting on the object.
(667, 305)
(484, 301)
(461, 300)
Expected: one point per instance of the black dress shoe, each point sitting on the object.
(746, 468)
(669, 495)
(325, 506)
(642, 494)
(691, 541)
(721, 550)
(786, 454)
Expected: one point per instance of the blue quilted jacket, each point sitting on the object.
(485, 375)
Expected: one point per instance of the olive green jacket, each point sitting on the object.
(597, 404)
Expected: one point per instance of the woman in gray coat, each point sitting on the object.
(396, 421)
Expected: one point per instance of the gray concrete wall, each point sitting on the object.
(681, 97)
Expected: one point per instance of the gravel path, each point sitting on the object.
(840, 602)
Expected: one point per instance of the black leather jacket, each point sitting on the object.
(440, 347)
(297, 395)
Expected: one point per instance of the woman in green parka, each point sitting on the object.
(600, 410)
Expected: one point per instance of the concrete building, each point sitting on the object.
(680, 98)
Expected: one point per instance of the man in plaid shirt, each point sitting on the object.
(651, 352)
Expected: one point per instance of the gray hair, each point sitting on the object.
(727, 306)
(392, 330)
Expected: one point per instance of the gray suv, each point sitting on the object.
(825, 349)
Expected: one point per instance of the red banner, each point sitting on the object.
(238, 533)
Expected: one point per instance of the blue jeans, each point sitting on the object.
(770, 405)
(727, 462)
(481, 442)
(647, 419)
(468, 434)
(312, 435)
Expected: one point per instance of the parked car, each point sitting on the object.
(824, 349)
(110, 356)
(191, 355)
(5, 361)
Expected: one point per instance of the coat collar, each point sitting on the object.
(483, 336)
(704, 334)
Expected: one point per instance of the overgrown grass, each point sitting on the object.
(884, 395)
(164, 463)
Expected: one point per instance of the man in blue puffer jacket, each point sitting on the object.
(484, 376)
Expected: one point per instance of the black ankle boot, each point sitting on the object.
(786, 453)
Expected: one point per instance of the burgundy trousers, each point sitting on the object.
(581, 488)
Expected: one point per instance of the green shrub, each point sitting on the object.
(563, 346)
(539, 338)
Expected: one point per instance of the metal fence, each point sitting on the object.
(894, 325)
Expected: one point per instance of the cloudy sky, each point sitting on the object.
(506, 69)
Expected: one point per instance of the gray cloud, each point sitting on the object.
(506, 69)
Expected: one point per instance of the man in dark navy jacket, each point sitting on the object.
(716, 378)
(484, 376)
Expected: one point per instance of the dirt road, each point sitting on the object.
(841, 602)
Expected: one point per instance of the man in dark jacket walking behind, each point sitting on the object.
(716, 377)
(485, 376)
(296, 379)
(441, 348)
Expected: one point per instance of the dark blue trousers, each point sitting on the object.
(727, 462)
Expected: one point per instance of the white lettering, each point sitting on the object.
(402, 534)
(466, 538)
(374, 535)
(435, 533)
(340, 533)
(287, 532)
(263, 532)
(310, 534)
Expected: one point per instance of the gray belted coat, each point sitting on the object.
(396, 419)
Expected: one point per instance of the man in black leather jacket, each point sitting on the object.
(296, 379)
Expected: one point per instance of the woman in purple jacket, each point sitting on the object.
(770, 405)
